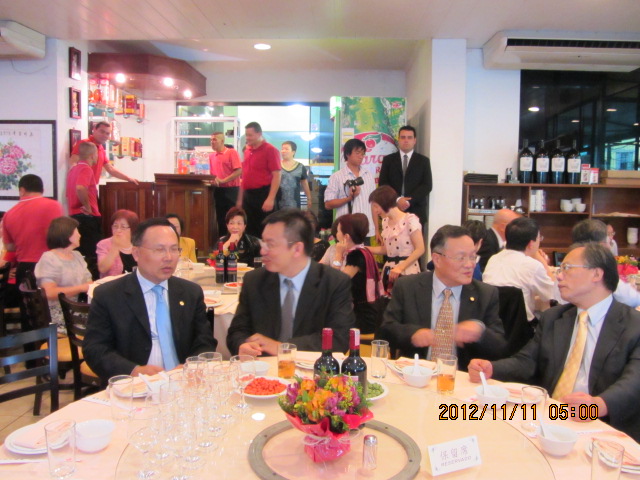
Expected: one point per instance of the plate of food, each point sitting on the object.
(376, 391)
(233, 285)
(265, 387)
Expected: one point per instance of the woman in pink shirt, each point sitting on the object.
(114, 253)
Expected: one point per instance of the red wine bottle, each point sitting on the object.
(542, 164)
(354, 365)
(220, 261)
(557, 165)
(573, 165)
(232, 264)
(525, 163)
(326, 365)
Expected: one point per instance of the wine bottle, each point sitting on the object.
(525, 163)
(557, 165)
(232, 264)
(326, 365)
(573, 165)
(542, 164)
(220, 264)
(354, 365)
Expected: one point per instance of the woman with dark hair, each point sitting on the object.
(353, 258)
(247, 246)
(403, 243)
(319, 246)
(187, 245)
(62, 269)
(114, 253)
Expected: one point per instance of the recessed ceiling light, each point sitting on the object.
(635, 124)
(167, 81)
(534, 109)
(187, 93)
(262, 46)
(575, 121)
(612, 109)
(120, 78)
(316, 150)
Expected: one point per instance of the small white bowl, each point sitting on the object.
(94, 435)
(580, 207)
(562, 443)
(497, 395)
(420, 380)
(566, 207)
(262, 368)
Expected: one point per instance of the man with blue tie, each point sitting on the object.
(147, 321)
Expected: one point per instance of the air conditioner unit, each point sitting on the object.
(540, 50)
(18, 41)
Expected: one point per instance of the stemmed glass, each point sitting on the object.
(244, 375)
(143, 428)
(533, 396)
(193, 372)
(222, 381)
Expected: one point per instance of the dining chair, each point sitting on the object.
(513, 313)
(75, 320)
(43, 365)
(7, 314)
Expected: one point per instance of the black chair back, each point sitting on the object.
(75, 320)
(35, 307)
(513, 314)
(4, 282)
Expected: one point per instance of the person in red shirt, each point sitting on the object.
(225, 164)
(260, 178)
(82, 199)
(25, 225)
(99, 136)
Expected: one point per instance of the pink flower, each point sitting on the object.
(16, 152)
(8, 166)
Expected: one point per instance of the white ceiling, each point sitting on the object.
(340, 34)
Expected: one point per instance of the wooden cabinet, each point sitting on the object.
(617, 205)
(124, 195)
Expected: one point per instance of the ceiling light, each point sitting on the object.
(187, 93)
(262, 46)
(612, 109)
(316, 150)
(635, 124)
(120, 78)
(167, 81)
(575, 121)
(534, 109)
(307, 137)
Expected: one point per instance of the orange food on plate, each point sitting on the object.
(264, 386)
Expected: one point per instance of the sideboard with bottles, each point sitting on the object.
(617, 205)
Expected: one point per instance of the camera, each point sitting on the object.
(356, 182)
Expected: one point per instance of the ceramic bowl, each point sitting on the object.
(420, 380)
(580, 207)
(560, 441)
(94, 435)
(497, 395)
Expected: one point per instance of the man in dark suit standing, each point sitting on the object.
(292, 298)
(409, 174)
(416, 319)
(585, 352)
(147, 321)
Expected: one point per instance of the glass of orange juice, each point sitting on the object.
(287, 360)
(447, 366)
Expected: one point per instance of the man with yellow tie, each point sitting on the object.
(585, 352)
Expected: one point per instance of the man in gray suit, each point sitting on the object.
(411, 320)
(585, 352)
(292, 298)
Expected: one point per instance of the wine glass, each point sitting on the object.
(143, 429)
(193, 372)
(222, 388)
(244, 375)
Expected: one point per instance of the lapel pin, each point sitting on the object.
(472, 299)
(181, 303)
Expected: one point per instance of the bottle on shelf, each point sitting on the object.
(557, 165)
(354, 365)
(232, 264)
(326, 365)
(220, 261)
(573, 165)
(542, 164)
(525, 163)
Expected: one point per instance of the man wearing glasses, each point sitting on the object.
(586, 352)
(445, 311)
(292, 298)
(149, 320)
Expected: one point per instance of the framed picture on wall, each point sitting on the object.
(74, 63)
(27, 147)
(74, 137)
(74, 103)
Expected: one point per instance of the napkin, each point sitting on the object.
(31, 438)
(628, 460)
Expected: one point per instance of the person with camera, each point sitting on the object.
(349, 188)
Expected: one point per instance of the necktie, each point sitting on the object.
(286, 332)
(443, 344)
(568, 377)
(405, 163)
(165, 334)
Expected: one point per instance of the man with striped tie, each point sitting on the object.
(586, 352)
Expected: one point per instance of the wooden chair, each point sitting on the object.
(43, 363)
(75, 320)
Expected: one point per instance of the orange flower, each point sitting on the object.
(315, 408)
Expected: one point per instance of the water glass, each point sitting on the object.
(287, 360)
(606, 459)
(379, 357)
(447, 366)
(120, 396)
(61, 448)
(245, 372)
(533, 396)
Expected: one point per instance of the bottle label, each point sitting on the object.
(542, 164)
(526, 164)
(573, 165)
(557, 164)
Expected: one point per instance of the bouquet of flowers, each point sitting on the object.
(627, 265)
(326, 413)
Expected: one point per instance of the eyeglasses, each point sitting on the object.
(565, 267)
(161, 251)
(115, 226)
(460, 258)
(271, 245)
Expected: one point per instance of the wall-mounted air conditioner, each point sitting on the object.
(18, 41)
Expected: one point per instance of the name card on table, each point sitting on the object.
(453, 456)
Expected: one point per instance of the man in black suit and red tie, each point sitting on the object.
(409, 174)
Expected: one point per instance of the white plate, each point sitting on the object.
(633, 470)
(12, 447)
(512, 388)
(304, 365)
(210, 302)
(385, 392)
(275, 395)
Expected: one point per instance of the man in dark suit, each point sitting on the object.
(410, 177)
(496, 238)
(412, 321)
(147, 321)
(586, 352)
(292, 298)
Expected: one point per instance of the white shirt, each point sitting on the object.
(155, 357)
(298, 282)
(336, 190)
(512, 268)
